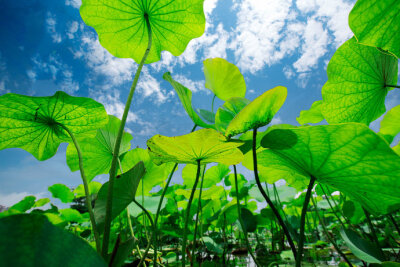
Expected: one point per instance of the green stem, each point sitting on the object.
(197, 216)
(212, 104)
(272, 206)
(86, 187)
(241, 221)
(328, 236)
(188, 214)
(302, 221)
(113, 169)
(330, 205)
(155, 229)
(373, 232)
(394, 223)
(394, 86)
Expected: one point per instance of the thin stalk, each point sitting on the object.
(330, 205)
(302, 221)
(274, 210)
(394, 223)
(188, 213)
(155, 229)
(241, 221)
(113, 169)
(86, 187)
(279, 201)
(394, 86)
(328, 236)
(212, 104)
(373, 232)
(197, 216)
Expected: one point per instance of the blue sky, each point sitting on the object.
(46, 47)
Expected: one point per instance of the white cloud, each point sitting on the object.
(51, 28)
(72, 29)
(73, 3)
(149, 87)
(194, 86)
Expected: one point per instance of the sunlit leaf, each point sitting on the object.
(150, 203)
(356, 86)
(211, 177)
(25, 204)
(41, 202)
(223, 78)
(390, 125)
(258, 112)
(94, 188)
(228, 111)
(62, 192)
(31, 240)
(33, 123)
(71, 215)
(313, 115)
(348, 157)
(205, 145)
(377, 23)
(123, 31)
(185, 95)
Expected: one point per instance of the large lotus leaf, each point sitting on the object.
(205, 145)
(31, 240)
(356, 86)
(122, 28)
(313, 115)
(155, 175)
(211, 177)
(228, 111)
(348, 157)
(124, 190)
(361, 248)
(150, 203)
(259, 112)
(33, 123)
(97, 153)
(62, 192)
(185, 95)
(390, 125)
(377, 23)
(223, 78)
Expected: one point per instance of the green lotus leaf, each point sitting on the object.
(230, 181)
(313, 115)
(212, 246)
(71, 215)
(223, 78)
(41, 202)
(348, 157)
(31, 240)
(205, 145)
(353, 211)
(25, 204)
(207, 115)
(185, 95)
(228, 111)
(377, 23)
(259, 112)
(211, 177)
(124, 191)
(285, 193)
(249, 220)
(390, 125)
(155, 175)
(62, 192)
(122, 26)
(97, 152)
(94, 188)
(214, 192)
(33, 123)
(150, 203)
(356, 86)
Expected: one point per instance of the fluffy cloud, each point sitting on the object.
(73, 3)
(72, 29)
(51, 28)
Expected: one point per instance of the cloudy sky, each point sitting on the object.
(46, 47)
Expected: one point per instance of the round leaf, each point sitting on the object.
(31, 240)
(377, 23)
(33, 123)
(62, 192)
(228, 111)
(223, 78)
(205, 145)
(122, 27)
(259, 112)
(348, 157)
(356, 86)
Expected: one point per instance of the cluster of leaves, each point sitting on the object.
(350, 174)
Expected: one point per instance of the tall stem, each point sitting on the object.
(241, 221)
(302, 221)
(188, 214)
(113, 169)
(330, 205)
(197, 216)
(272, 206)
(212, 104)
(373, 232)
(86, 188)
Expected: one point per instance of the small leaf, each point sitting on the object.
(211, 177)
(377, 23)
(122, 27)
(150, 203)
(356, 87)
(124, 191)
(205, 145)
(26, 204)
(34, 123)
(185, 95)
(258, 113)
(207, 115)
(71, 215)
(228, 111)
(94, 188)
(30, 240)
(62, 192)
(223, 78)
(41, 202)
(348, 157)
(361, 248)
(390, 125)
(313, 115)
